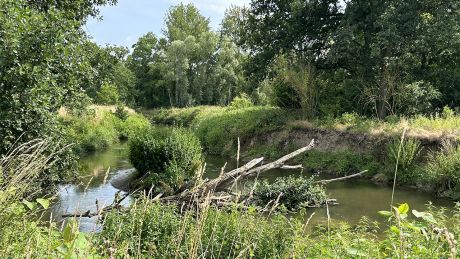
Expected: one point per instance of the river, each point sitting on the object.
(105, 172)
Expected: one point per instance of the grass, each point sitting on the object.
(260, 119)
(149, 229)
(219, 128)
(102, 128)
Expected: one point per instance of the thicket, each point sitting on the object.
(165, 159)
(292, 193)
(152, 229)
(100, 129)
(442, 171)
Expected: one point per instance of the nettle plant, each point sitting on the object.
(424, 236)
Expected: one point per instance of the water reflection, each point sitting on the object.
(98, 172)
(357, 198)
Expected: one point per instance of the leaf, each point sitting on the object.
(29, 205)
(417, 214)
(395, 229)
(403, 208)
(70, 231)
(355, 252)
(45, 203)
(386, 213)
(428, 217)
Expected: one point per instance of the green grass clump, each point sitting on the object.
(165, 160)
(442, 171)
(293, 193)
(92, 133)
(153, 230)
(405, 154)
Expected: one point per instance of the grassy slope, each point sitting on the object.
(100, 128)
(272, 132)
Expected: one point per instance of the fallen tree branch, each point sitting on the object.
(341, 178)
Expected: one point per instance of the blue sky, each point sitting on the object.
(124, 23)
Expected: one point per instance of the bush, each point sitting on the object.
(219, 132)
(95, 133)
(108, 94)
(166, 160)
(442, 171)
(242, 101)
(133, 126)
(121, 112)
(294, 192)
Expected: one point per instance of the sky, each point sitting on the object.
(124, 23)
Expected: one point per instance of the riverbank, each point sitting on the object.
(100, 127)
(428, 157)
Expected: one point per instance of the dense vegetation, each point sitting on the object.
(380, 69)
(165, 160)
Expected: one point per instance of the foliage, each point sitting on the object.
(404, 154)
(41, 68)
(121, 113)
(220, 131)
(363, 60)
(442, 171)
(165, 160)
(241, 102)
(295, 86)
(292, 193)
(96, 132)
(191, 66)
(155, 230)
(108, 95)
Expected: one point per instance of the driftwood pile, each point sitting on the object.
(217, 192)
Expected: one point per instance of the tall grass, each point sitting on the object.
(149, 229)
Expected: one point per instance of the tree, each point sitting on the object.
(41, 64)
(183, 21)
(77, 10)
(283, 26)
(389, 45)
(149, 67)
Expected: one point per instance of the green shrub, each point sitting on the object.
(121, 112)
(107, 94)
(294, 192)
(133, 126)
(240, 102)
(405, 155)
(442, 171)
(90, 134)
(97, 132)
(166, 160)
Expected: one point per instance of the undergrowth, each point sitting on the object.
(96, 132)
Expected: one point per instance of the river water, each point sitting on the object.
(104, 173)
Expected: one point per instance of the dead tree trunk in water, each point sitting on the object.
(199, 193)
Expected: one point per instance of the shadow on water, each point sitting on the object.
(357, 198)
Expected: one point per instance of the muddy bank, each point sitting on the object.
(332, 141)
